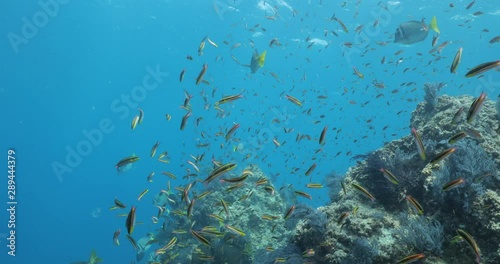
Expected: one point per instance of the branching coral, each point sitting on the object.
(405, 166)
(362, 252)
(333, 181)
(421, 233)
(431, 95)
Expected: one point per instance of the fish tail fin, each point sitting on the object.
(262, 58)
(434, 25)
(94, 259)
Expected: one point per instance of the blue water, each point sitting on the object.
(68, 79)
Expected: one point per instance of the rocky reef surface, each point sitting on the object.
(390, 227)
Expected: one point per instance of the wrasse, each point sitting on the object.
(229, 98)
(303, 194)
(194, 166)
(342, 217)
(217, 217)
(457, 115)
(314, 185)
(169, 174)
(311, 169)
(411, 258)
(212, 43)
(130, 222)
(475, 107)
(472, 133)
(235, 230)
(458, 136)
(119, 204)
(207, 258)
(308, 253)
(453, 184)
(294, 100)
(150, 176)
(322, 136)
(238, 179)
(201, 47)
(414, 203)
(168, 246)
(153, 149)
(470, 240)
(203, 194)
(116, 235)
(341, 24)
(418, 143)
(456, 61)
(482, 68)
(200, 238)
(359, 74)
(363, 191)
(134, 122)
(435, 39)
(219, 171)
(355, 210)
(235, 186)
(142, 194)
(226, 208)
(280, 260)
(276, 143)
(126, 161)
(184, 120)
(482, 177)
(132, 241)
(269, 189)
(190, 208)
(389, 176)
(261, 181)
(209, 228)
(141, 116)
(289, 212)
(343, 187)
(181, 76)
(231, 131)
(201, 74)
(269, 249)
(269, 217)
(442, 155)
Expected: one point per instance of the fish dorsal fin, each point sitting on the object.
(433, 25)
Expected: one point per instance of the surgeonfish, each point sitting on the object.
(257, 61)
(414, 31)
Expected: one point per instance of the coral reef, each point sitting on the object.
(226, 246)
(372, 219)
(389, 229)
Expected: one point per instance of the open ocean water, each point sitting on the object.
(74, 75)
